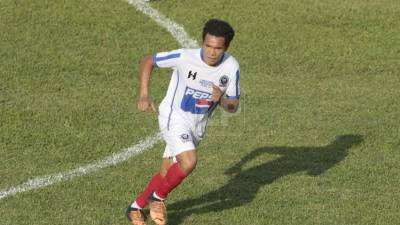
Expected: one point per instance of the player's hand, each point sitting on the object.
(146, 103)
(216, 94)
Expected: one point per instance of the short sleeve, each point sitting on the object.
(233, 89)
(167, 59)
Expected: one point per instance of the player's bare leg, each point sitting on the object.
(187, 161)
(165, 165)
(174, 175)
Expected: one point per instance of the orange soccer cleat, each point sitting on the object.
(135, 216)
(158, 211)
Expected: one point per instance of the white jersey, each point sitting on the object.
(190, 89)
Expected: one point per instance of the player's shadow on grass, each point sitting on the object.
(242, 188)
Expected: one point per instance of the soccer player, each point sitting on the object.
(202, 79)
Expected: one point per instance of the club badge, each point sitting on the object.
(223, 81)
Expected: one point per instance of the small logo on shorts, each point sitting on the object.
(185, 138)
(223, 81)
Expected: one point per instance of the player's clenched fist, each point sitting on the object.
(146, 103)
(216, 94)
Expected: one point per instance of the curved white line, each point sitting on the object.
(176, 30)
(47, 180)
(183, 38)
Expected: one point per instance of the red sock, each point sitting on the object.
(174, 177)
(153, 185)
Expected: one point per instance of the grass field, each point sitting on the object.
(317, 139)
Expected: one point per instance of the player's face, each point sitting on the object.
(213, 49)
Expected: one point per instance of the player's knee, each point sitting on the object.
(188, 165)
(187, 161)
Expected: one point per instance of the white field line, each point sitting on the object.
(176, 30)
(114, 159)
(183, 38)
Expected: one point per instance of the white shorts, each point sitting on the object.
(179, 136)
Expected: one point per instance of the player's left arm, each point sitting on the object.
(230, 102)
(229, 105)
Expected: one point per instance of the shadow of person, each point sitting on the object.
(242, 188)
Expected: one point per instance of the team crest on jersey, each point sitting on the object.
(196, 101)
(223, 81)
(185, 138)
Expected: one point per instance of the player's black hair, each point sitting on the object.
(219, 28)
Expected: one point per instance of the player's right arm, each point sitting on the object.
(160, 60)
(145, 102)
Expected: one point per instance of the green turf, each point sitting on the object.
(315, 142)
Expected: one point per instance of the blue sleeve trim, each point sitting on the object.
(172, 56)
(233, 97)
(154, 60)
